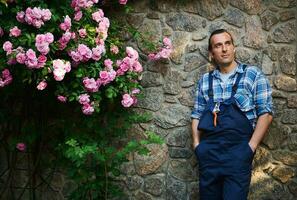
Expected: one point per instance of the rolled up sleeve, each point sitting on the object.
(199, 102)
(262, 95)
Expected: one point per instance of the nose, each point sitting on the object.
(224, 48)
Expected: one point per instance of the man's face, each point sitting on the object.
(223, 50)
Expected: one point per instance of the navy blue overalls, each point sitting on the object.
(224, 155)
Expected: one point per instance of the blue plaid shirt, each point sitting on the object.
(253, 95)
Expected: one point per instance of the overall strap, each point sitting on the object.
(235, 86)
(210, 89)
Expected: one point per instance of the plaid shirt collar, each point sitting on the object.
(239, 69)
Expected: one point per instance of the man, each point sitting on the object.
(232, 112)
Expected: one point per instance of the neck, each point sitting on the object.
(225, 69)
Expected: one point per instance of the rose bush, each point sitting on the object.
(73, 51)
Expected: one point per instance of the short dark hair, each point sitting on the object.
(218, 31)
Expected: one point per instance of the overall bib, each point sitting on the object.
(224, 155)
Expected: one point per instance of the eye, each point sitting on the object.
(228, 43)
(218, 45)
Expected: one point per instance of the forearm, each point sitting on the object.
(195, 132)
(261, 128)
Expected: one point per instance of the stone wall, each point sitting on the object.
(265, 35)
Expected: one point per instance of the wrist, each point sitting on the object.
(195, 144)
(253, 145)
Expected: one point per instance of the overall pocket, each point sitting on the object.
(198, 149)
(243, 155)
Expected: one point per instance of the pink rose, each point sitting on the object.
(123, 2)
(6, 78)
(97, 52)
(112, 75)
(15, 32)
(41, 58)
(137, 67)
(91, 84)
(165, 53)
(66, 37)
(75, 56)
(61, 64)
(73, 35)
(49, 37)
(82, 33)
(40, 38)
(157, 56)
(135, 91)
(84, 99)
(66, 25)
(67, 66)
(7, 46)
(105, 78)
(131, 53)
(41, 61)
(63, 41)
(78, 15)
(104, 24)
(103, 75)
(125, 66)
(61, 98)
(108, 64)
(21, 16)
(152, 56)
(21, 58)
(42, 85)
(43, 47)
(21, 146)
(5, 73)
(36, 13)
(84, 50)
(46, 14)
(31, 55)
(37, 23)
(118, 63)
(59, 74)
(31, 63)
(87, 109)
(97, 16)
(60, 69)
(127, 100)
(99, 41)
(167, 42)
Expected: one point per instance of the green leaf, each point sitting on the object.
(72, 142)
(143, 151)
(79, 73)
(154, 138)
(71, 98)
(44, 71)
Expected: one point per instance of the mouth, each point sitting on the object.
(225, 56)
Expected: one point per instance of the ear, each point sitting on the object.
(210, 56)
